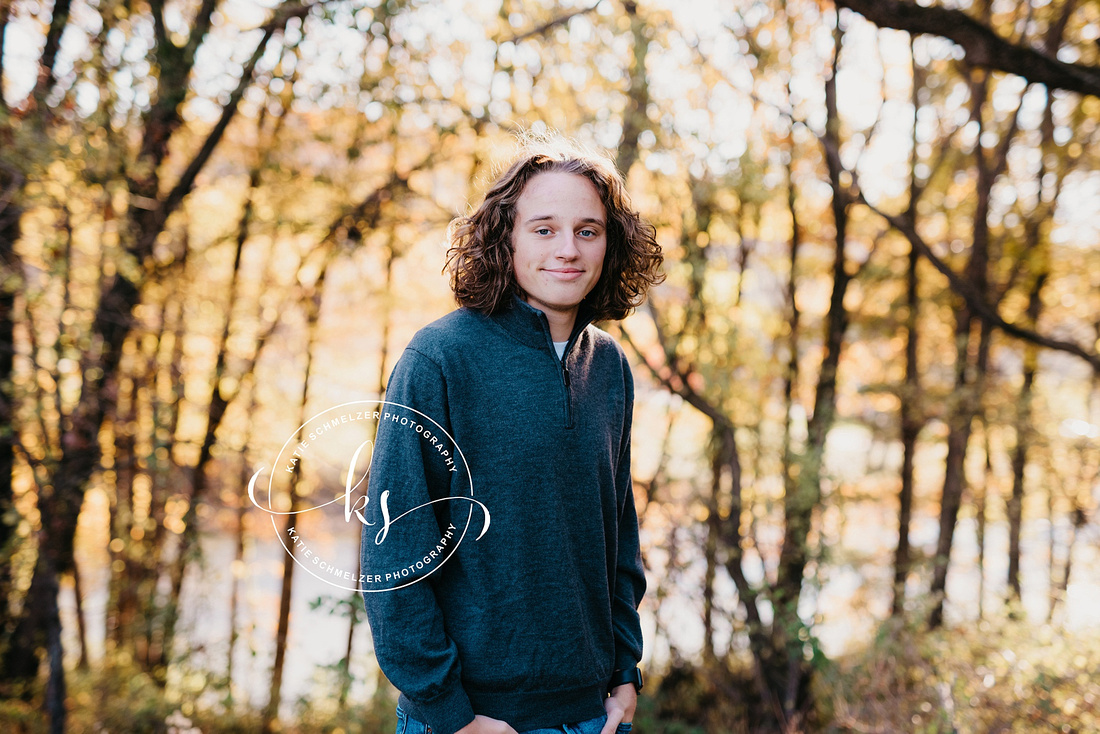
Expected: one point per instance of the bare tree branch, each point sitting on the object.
(187, 179)
(550, 25)
(672, 378)
(982, 46)
(975, 300)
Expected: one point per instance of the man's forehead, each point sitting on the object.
(555, 217)
(560, 195)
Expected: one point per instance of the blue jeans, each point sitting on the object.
(408, 725)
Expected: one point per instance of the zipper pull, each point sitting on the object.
(566, 371)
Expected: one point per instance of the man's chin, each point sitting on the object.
(558, 306)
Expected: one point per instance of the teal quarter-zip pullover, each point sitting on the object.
(527, 623)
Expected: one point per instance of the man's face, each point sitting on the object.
(559, 238)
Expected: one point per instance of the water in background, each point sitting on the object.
(853, 597)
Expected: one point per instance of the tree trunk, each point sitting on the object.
(10, 276)
(1058, 595)
(236, 571)
(710, 555)
(981, 501)
(635, 118)
(81, 626)
(166, 365)
(55, 655)
(799, 506)
(271, 711)
(354, 605)
(275, 691)
(969, 390)
(1031, 352)
(910, 412)
(911, 424)
(123, 596)
(969, 369)
(1023, 441)
(790, 378)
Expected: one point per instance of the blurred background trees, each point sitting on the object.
(868, 394)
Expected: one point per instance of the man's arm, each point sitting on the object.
(629, 588)
(629, 585)
(620, 707)
(407, 624)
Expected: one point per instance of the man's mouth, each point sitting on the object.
(564, 273)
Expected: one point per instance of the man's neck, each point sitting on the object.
(561, 323)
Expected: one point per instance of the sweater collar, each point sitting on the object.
(530, 326)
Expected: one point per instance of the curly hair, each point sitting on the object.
(480, 257)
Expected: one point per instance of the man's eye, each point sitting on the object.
(542, 230)
(588, 233)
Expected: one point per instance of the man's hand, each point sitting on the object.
(485, 725)
(620, 707)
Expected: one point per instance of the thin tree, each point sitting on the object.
(312, 305)
(910, 413)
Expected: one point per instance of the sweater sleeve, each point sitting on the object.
(407, 624)
(629, 572)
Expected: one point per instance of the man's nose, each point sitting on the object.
(567, 246)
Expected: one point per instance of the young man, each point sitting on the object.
(521, 408)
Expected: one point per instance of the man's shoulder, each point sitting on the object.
(603, 342)
(459, 327)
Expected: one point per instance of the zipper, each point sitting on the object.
(567, 392)
(568, 397)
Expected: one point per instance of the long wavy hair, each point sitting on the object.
(480, 258)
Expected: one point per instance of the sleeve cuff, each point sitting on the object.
(625, 657)
(447, 712)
